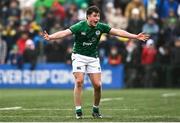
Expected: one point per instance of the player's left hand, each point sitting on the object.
(143, 36)
(45, 35)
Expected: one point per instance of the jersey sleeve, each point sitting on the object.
(105, 27)
(75, 28)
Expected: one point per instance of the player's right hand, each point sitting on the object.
(46, 36)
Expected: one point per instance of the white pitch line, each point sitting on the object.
(58, 109)
(111, 99)
(87, 116)
(44, 109)
(169, 95)
(38, 116)
(10, 108)
(123, 109)
(102, 100)
(155, 116)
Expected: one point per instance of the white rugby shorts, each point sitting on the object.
(85, 64)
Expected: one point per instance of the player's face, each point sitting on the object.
(93, 19)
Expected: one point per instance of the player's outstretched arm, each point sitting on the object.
(123, 33)
(57, 35)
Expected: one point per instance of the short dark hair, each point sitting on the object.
(92, 9)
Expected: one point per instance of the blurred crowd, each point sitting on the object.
(154, 63)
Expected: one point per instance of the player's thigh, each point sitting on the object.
(95, 79)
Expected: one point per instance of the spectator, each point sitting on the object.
(103, 50)
(171, 31)
(171, 17)
(48, 21)
(149, 53)
(21, 42)
(148, 59)
(39, 42)
(27, 15)
(121, 3)
(109, 12)
(163, 66)
(135, 23)
(102, 56)
(152, 28)
(151, 7)
(164, 55)
(27, 10)
(72, 15)
(40, 13)
(3, 51)
(14, 11)
(82, 12)
(165, 5)
(132, 64)
(118, 21)
(138, 5)
(55, 52)
(9, 34)
(68, 55)
(26, 4)
(4, 4)
(40, 45)
(58, 10)
(175, 60)
(15, 58)
(178, 11)
(114, 57)
(30, 54)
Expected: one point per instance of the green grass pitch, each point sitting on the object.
(133, 105)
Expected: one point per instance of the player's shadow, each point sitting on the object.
(91, 119)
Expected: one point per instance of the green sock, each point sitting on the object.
(95, 109)
(78, 110)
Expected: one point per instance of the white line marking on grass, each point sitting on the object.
(48, 109)
(169, 94)
(89, 116)
(10, 108)
(111, 99)
(37, 116)
(123, 109)
(154, 116)
(58, 109)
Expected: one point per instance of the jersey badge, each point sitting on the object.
(98, 32)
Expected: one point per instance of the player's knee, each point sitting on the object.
(97, 86)
(79, 83)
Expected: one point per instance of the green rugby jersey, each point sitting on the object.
(87, 37)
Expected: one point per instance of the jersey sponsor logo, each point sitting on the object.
(87, 44)
(98, 32)
(83, 33)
